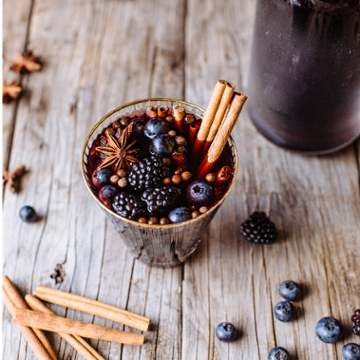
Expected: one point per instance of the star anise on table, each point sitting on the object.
(118, 152)
(12, 177)
(11, 91)
(25, 63)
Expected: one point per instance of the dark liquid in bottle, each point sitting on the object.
(304, 86)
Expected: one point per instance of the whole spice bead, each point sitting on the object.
(107, 203)
(151, 111)
(179, 158)
(115, 125)
(121, 173)
(203, 209)
(189, 119)
(164, 221)
(210, 177)
(180, 140)
(153, 220)
(176, 179)
(181, 149)
(162, 111)
(114, 179)
(195, 214)
(143, 220)
(169, 118)
(122, 182)
(172, 133)
(166, 181)
(109, 131)
(124, 122)
(186, 175)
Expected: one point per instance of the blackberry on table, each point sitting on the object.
(147, 173)
(356, 319)
(259, 229)
(161, 200)
(129, 205)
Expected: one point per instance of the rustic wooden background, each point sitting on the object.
(100, 54)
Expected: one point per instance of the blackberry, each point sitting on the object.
(129, 205)
(356, 319)
(161, 199)
(147, 173)
(259, 229)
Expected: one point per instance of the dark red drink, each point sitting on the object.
(304, 86)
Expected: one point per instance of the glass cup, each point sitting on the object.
(304, 83)
(156, 245)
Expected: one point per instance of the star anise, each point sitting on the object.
(27, 62)
(12, 177)
(118, 153)
(11, 91)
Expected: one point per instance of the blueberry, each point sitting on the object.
(200, 193)
(138, 127)
(162, 145)
(226, 332)
(101, 177)
(28, 214)
(279, 353)
(156, 127)
(284, 311)
(289, 290)
(179, 214)
(351, 351)
(328, 330)
(107, 192)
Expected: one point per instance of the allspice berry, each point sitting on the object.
(122, 182)
(166, 181)
(195, 214)
(115, 125)
(169, 118)
(203, 209)
(210, 177)
(143, 220)
(124, 122)
(153, 220)
(166, 161)
(186, 175)
(109, 131)
(121, 173)
(176, 179)
(180, 140)
(164, 221)
(172, 133)
(181, 149)
(114, 179)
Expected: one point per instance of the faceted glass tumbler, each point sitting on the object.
(156, 245)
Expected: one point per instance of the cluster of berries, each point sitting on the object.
(154, 183)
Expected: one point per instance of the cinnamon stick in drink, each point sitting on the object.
(36, 345)
(222, 135)
(179, 114)
(219, 116)
(50, 322)
(208, 118)
(94, 307)
(77, 342)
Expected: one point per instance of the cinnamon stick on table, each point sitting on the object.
(50, 322)
(36, 338)
(222, 135)
(77, 342)
(94, 307)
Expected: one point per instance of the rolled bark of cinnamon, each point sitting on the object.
(78, 343)
(94, 307)
(30, 336)
(179, 114)
(54, 323)
(222, 135)
(208, 118)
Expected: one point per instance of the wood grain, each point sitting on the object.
(101, 54)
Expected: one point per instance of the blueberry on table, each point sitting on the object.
(179, 214)
(284, 311)
(289, 290)
(226, 332)
(351, 351)
(279, 353)
(28, 214)
(200, 193)
(329, 330)
(156, 127)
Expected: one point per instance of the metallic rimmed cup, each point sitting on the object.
(156, 245)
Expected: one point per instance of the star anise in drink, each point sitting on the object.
(118, 152)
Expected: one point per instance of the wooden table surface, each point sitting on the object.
(98, 55)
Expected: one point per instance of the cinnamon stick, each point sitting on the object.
(208, 118)
(223, 134)
(77, 342)
(94, 307)
(50, 322)
(34, 342)
(179, 114)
